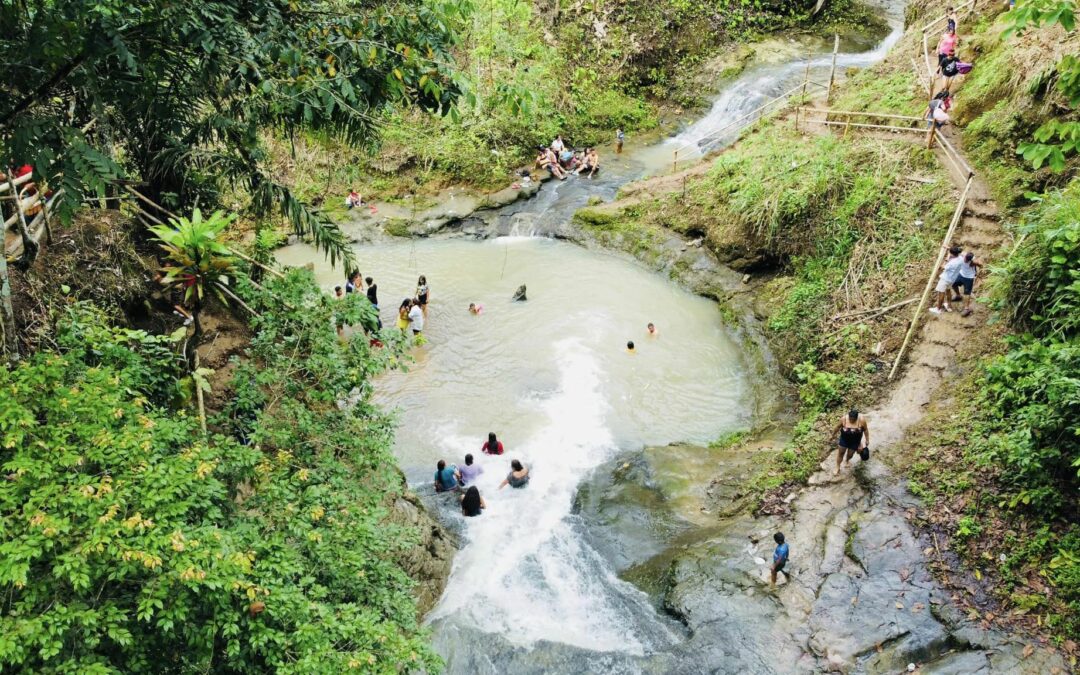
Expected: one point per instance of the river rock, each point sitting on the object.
(428, 562)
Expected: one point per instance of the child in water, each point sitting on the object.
(475, 309)
(651, 329)
(630, 346)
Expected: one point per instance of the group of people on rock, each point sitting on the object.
(949, 66)
(562, 161)
(462, 480)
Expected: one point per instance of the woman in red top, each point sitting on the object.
(492, 446)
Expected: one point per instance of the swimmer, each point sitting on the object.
(518, 476)
(651, 329)
(630, 347)
(475, 309)
(472, 504)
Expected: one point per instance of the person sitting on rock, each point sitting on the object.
(447, 478)
(518, 476)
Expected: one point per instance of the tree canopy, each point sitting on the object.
(175, 94)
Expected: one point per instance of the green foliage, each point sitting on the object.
(1057, 138)
(175, 94)
(819, 390)
(130, 544)
(197, 262)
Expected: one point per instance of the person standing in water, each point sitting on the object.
(779, 558)
(518, 476)
(416, 318)
(475, 309)
(354, 284)
(619, 138)
(472, 504)
(470, 472)
(854, 435)
(403, 315)
(651, 330)
(423, 293)
(630, 347)
(373, 298)
(492, 446)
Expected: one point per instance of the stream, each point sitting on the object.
(532, 589)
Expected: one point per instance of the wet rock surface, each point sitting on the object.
(428, 563)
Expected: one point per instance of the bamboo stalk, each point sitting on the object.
(18, 182)
(832, 70)
(860, 125)
(29, 245)
(859, 312)
(225, 289)
(7, 313)
(199, 395)
(863, 113)
(957, 215)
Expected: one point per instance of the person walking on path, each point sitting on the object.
(947, 45)
(949, 272)
(853, 436)
(779, 559)
(969, 269)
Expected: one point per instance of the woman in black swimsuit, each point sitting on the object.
(854, 434)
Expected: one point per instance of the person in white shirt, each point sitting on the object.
(949, 273)
(416, 318)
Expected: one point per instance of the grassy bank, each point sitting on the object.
(533, 71)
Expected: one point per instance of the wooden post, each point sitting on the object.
(195, 377)
(29, 245)
(7, 313)
(675, 162)
(957, 216)
(847, 125)
(832, 71)
(930, 134)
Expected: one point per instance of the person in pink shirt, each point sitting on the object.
(947, 44)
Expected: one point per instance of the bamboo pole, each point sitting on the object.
(199, 395)
(859, 125)
(863, 113)
(7, 313)
(930, 134)
(675, 162)
(832, 70)
(957, 215)
(21, 180)
(29, 245)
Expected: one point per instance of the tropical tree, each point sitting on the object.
(198, 263)
(177, 94)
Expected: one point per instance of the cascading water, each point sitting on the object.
(528, 592)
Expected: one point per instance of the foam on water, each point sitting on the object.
(524, 572)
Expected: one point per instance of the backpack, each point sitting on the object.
(963, 68)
